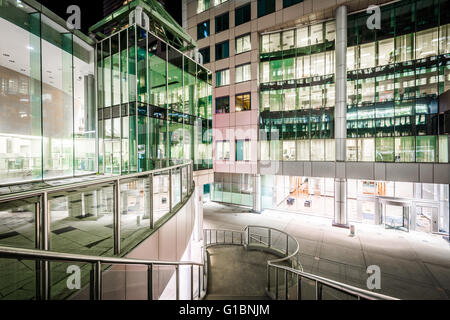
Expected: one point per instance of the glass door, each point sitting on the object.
(396, 215)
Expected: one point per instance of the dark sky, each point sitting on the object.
(92, 10)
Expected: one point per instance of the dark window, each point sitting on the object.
(288, 3)
(265, 7)
(206, 53)
(242, 14)
(222, 50)
(203, 30)
(223, 105)
(242, 102)
(222, 22)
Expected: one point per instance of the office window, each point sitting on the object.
(222, 22)
(303, 150)
(242, 102)
(264, 72)
(316, 34)
(223, 78)
(330, 30)
(427, 43)
(223, 105)
(222, 50)
(318, 64)
(288, 3)
(265, 7)
(206, 53)
(243, 148)
(302, 37)
(203, 5)
(265, 43)
(223, 150)
(386, 53)
(243, 44)
(242, 14)
(288, 40)
(274, 42)
(243, 73)
(203, 30)
(367, 58)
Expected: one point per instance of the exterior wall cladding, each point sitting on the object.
(255, 124)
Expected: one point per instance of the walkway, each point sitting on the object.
(413, 265)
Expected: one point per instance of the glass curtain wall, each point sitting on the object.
(394, 78)
(154, 105)
(297, 94)
(47, 114)
(233, 188)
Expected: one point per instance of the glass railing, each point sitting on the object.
(99, 216)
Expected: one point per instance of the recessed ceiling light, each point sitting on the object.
(49, 71)
(6, 55)
(12, 61)
(23, 70)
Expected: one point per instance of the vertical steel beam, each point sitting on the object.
(150, 282)
(116, 214)
(150, 201)
(340, 110)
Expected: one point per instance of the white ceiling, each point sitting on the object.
(15, 53)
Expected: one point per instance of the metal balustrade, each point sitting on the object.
(294, 282)
(97, 273)
(179, 190)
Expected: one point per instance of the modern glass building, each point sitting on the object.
(353, 120)
(99, 137)
(394, 78)
(47, 83)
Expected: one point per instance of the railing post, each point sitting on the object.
(286, 287)
(270, 237)
(287, 244)
(170, 190)
(268, 278)
(276, 283)
(318, 290)
(96, 282)
(181, 183)
(116, 215)
(242, 240)
(150, 200)
(192, 282)
(45, 224)
(299, 287)
(232, 237)
(177, 280)
(199, 282)
(150, 282)
(248, 236)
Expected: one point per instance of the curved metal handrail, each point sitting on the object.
(98, 261)
(319, 281)
(288, 236)
(351, 290)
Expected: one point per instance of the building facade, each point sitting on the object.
(348, 115)
(84, 123)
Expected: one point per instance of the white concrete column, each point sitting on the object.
(340, 203)
(257, 207)
(90, 203)
(340, 109)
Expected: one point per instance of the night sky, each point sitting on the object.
(92, 10)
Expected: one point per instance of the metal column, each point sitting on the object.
(340, 109)
(340, 203)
